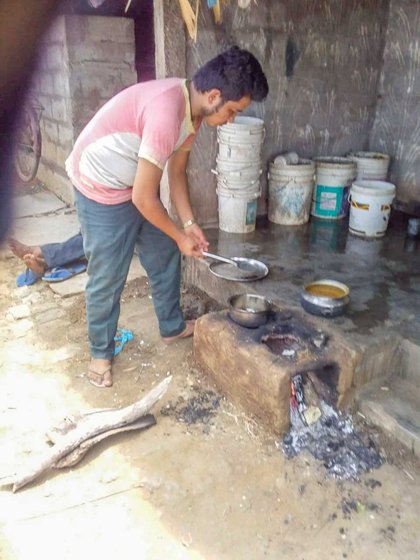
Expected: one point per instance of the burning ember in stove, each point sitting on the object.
(329, 435)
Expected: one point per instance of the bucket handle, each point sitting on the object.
(251, 133)
(223, 180)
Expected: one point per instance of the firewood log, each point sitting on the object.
(91, 427)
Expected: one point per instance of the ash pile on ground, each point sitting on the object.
(333, 440)
(200, 408)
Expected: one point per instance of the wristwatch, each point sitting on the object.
(188, 223)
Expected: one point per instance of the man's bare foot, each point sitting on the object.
(20, 249)
(37, 264)
(100, 372)
(188, 331)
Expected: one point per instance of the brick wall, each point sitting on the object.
(85, 60)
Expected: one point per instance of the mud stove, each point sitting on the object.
(254, 367)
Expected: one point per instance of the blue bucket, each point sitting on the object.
(334, 176)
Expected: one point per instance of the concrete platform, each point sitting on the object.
(77, 284)
(383, 276)
(393, 403)
(43, 202)
(47, 228)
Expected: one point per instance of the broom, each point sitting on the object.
(189, 17)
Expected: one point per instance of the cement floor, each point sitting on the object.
(219, 489)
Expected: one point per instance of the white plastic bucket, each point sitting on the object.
(290, 192)
(241, 140)
(371, 165)
(230, 170)
(370, 207)
(247, 130)
(334, 176)
(237, 211)
(238, 184)
(242, 153)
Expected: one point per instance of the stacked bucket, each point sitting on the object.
(371, 195)
(238, 170)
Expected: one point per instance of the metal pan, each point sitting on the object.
(255, 270)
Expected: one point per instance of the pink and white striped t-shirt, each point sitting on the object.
(150, 120)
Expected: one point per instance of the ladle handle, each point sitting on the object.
(219, 258)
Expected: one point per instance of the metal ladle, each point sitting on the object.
(241, 265)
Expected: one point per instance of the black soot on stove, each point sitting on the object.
(283, 344)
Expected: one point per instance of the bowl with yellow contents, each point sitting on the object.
(326, 298)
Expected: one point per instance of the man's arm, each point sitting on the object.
(145, 197)
(178, 187)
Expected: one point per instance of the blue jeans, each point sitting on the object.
(110, 235)
(60, 254)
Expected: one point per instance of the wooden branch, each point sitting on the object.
(68, 423)
(77, 454)
(108, 420)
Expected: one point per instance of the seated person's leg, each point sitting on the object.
(39, 258)
(31, 255)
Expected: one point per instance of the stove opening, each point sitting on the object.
(323, 379)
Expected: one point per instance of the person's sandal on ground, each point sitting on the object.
(188, 331)
(100, 374)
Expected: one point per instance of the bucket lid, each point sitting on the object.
(334, 162)
(373, 188)
(302, 166)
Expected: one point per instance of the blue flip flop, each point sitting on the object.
(59, 274)
(27, 278)
(122, 336)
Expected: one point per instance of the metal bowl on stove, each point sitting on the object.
(326, 298)
(249, 310)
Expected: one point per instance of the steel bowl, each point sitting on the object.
(325, 298)
(249, 310)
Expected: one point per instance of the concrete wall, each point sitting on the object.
(170, 52)
(396, 130)
(322, 60)
(85, 61)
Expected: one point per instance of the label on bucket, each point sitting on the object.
(359, 205)
(330, 202)
(251, 212)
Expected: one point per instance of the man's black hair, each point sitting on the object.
(236, 73)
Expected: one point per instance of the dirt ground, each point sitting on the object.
(204, 483)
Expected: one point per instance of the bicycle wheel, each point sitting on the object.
(28, 146)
